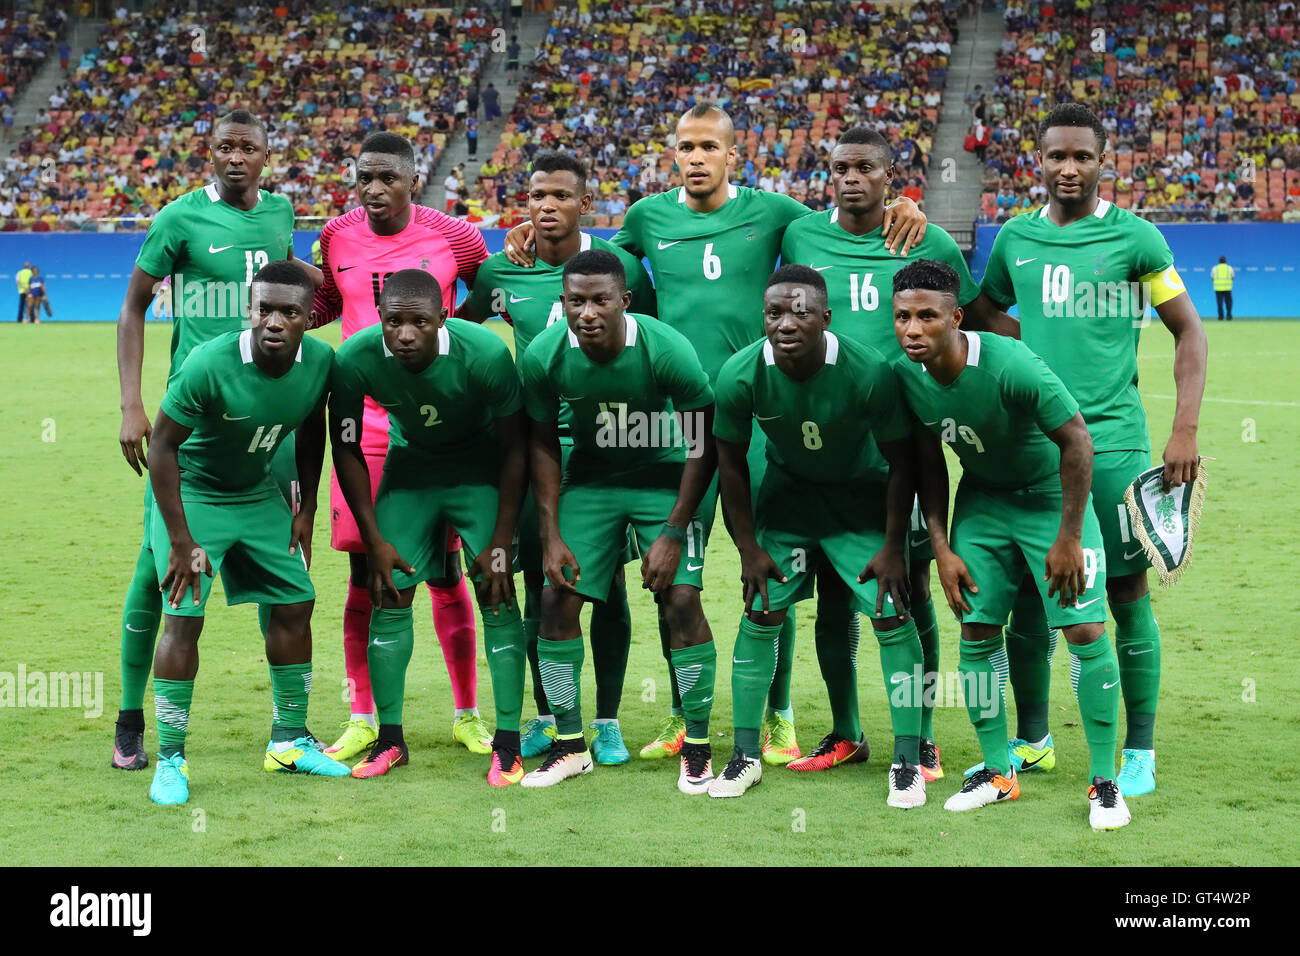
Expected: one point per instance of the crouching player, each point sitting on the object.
(626, 379)
(823, 510)
(456, 458)
(1015, 427)
(236, 399)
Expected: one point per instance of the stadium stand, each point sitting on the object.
(1200, 101)
(128, 132)
(609, 84)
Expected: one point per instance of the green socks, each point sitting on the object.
(665, 641)
(696, 670)
(561, 666)
(983, 670)
(927, 629)
(171, 702)
(503, 640)
(1137, 644)
(141, 614)
(778, 696)
(836, 636)
(611, 638)
(1030, 644)
(290, 685)
(1095, 674)
(901, 663)
(392, 636)
(752, 663)
(532, 620)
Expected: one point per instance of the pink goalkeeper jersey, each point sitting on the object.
(355, 262)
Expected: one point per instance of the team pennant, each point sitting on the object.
(1165, 524)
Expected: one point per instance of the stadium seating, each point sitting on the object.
(129, 132)
(610, 84)
(1200, 100)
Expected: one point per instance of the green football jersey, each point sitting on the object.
(445, 414)
(710, 268)
(623, 409)
(821, 430)
(996, 413)
(212, 251)
(529, 299)
(240, 415)
(859, 274)
(1081, 308)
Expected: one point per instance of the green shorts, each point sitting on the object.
(595, 517)
(920, 550)
(284, 471)
(247, 543)
(528, 537)
(1004, 535)
(414, 508)
(756, 457)
(1112, 473)
(800, 525)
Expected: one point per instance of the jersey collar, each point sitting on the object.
(973, 343)
(1103, 207)
(629, 338)
(832, 350)
(732, 192)
(246, 347)
(444, 343)
(584, 242)
(214, 196)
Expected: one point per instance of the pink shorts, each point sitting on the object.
(344, 533)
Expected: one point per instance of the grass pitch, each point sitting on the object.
(1227, 735)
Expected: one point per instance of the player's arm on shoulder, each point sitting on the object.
(629, 235)
(1065, 563)
(1191, 351)
(903, 226)
(327, 303)
(981, 315)
(638, 282)
(997, 284)
(135, 430)
(477, 306)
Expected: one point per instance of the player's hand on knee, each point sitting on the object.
(186, 564)
(382, 560)
(135, 432)
(520, 248)
(889, 569)
(558, 557)
(494, 584)
(659, 566)
(300, 534)
(756, 569)
(903, 226)
(1065, 572)
(954, 578)
(1181, 460)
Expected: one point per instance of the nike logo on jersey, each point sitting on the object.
(1021, 262)
(767, 418)
(1110, 685)
(513, 299)
(389, 404)
(345, 268)
(572, 398)
(665, 245)
(215, 249)
(1130, 557)
(1080, 606)
(232, 418)
(693, 567)
(822, 268)
(929, 424)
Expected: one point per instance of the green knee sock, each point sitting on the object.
(836, 639)
(392, 637)
(902, 665)
(290, 685)
(611, 638)
(778, 695)
(532, 620)
(983, 670)
(1095, 674)
(1030, 643)
(561, 664)
(141, 614)
(927, 629)
(665, 641)
(503, 638)
(752, 663)
(696, 670)
(1137, 644)
(171, 704)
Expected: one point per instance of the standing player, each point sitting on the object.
(456, 457)
(359, 250)
(530, 300)
(236, 399)
(1005, 415)
(209, 242)
(829, 408)
(846, 245)
(711, 247)
(630, 382)
(1074, 270)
